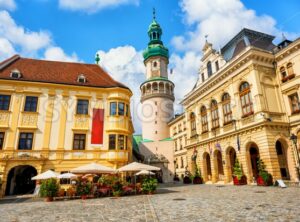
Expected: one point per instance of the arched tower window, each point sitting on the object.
(214, 114)
(209, 69)
(246, 100)
(204, 119)
(226, 108)
(193, 124)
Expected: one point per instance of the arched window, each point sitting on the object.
(204, 119)
(209, 69)
(154, 35)
(246, 101)
(283, 72)
(290, 69)
(193, 124)
(226, 108)
(182, 165)
(214, 114)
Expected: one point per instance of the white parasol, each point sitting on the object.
(46, 175)
(93, 168)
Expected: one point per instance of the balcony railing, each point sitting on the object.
(29, 120)
(4, 119)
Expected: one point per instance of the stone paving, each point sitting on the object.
(172, 203)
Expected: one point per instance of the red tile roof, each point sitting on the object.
(34, 70)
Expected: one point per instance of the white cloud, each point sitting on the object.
(185, 73)
(220, 20)
(8, 4)
(15, 38)
(28, 41)
(92, 6)
(6, 49)
(125, 64)
(55, 53)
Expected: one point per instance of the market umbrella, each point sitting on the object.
(93, 168)
(144, 172)
(66, 176)
(135, 166)
(46, 175)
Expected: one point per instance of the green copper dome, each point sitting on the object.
(155, 45)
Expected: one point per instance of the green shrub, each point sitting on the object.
(83, 188)
(237, 169)
(49, 188)
(262, 170)
(149, 185)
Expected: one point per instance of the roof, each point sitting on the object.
(167, 139)
(57, 72)
(244, 38)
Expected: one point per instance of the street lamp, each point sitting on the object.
(294, 138)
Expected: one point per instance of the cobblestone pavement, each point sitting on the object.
(173, 203)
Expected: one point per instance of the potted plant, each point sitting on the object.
(83, 189)
(149, 185)
(197, 179)
(49, 189)
(264, 178)
(187, 177)
(238, 177)
(117, 187)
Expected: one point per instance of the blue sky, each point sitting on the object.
(75, 30)
(84, 32)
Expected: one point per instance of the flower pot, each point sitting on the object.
(197, 180)
(242, 181)
(49, 199)
(83, 197)
(260, 181)
(187, 180)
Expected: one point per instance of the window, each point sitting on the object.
(121, 142)
(121, 109)
(113, 108)
(214, 114)
(16, 74)
(81, 78)
(290, 69)
(246, 101)
(154, 64)
(31, 103)
(295, 103)
(193, 124)
(112, 142)
(25, 141)
(176, 163)
(4, 102)
(283, 72)
(226, 108)
(185, 140)
(181, 160)
(217, 65)
(127, 110)
(79, 142)
(204, 119)
(202, 77)
(175, 144)
(82, 106)
(180, 143)
(1, 140)
(209, 69)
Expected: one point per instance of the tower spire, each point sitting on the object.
(154, 14)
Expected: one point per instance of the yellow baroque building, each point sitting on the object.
(59, 115)
(245, 105)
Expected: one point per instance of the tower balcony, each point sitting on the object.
(157, 87)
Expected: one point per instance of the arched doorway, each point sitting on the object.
(19, 180)
(231, 157)
(207, 166)
(218, 165)
(281, 152)
(254, 157)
